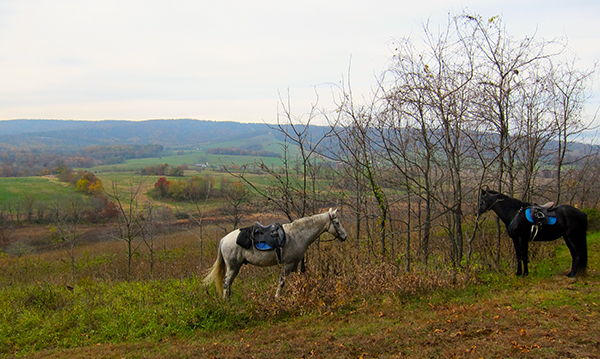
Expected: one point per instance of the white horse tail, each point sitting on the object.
(217, 272)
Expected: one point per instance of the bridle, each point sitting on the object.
(514, 217)
(491, 205)
(331, 223)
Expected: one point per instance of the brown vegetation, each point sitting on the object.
(349, 306)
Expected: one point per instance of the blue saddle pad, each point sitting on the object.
(551, 220)
(263, 246)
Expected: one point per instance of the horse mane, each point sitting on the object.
(308, 221)
(305, 223)
(505, 197)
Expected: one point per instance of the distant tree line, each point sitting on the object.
(256, 151)
(118, 153)
(190, 189)
(196, 189)
(164, 170)
(23, 162)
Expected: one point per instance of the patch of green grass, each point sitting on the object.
(39, 316)
(16, 189)
(191, 157)
(188, 157)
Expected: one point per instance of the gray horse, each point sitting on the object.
(300, 234)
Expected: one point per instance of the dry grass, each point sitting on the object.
(350, 304)
(518, 322)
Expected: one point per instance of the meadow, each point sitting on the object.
(43, 189)
(190, 157)
(348, 304)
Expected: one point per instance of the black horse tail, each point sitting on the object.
(584, 261)
(582, 251)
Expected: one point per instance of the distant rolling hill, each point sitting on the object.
(169, 133)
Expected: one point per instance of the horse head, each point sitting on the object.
(487, 199)
(335, 226)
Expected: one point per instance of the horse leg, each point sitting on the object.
(519, 256)
(285, 270)
(230, 274)
(574, 256)
(525, 256)
(281, 284)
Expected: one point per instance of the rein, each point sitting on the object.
(493, 204)
(515, 217)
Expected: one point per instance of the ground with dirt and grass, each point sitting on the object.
(423, 315)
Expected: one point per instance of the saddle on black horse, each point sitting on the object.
(540, 215)
(263, 238)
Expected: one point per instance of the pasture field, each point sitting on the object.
(347, 305)
(17, 193)
(127, 178)
(127, 182)
(189, 157)
(41, 189)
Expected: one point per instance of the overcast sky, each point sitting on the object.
(229, 60)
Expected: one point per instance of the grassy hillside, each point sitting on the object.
(40, 189)
(338, 309)
(189, 157)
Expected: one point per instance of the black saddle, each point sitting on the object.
(540, 215)
(543, 214)
(264, 238)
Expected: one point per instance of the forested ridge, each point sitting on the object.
(67, 134)
(39, 147)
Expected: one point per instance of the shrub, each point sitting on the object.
(593, 215)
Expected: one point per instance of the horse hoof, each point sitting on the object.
(571, 275)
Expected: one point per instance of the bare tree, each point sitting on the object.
(127, 203)
(236, 194)
(66, 233)
(354, 133)
(569, 91)
(150, 220)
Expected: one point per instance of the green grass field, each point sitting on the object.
(41, 189)
(189, 157)
(127, 181)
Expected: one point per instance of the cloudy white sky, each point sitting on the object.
(228, 60)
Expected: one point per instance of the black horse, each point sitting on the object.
(570, 223)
